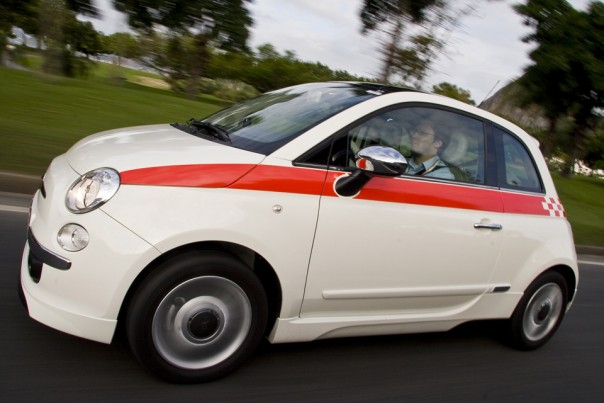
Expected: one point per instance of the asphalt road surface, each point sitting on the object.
(464, 365)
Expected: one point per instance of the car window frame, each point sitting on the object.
(330, 141)
(499, 148)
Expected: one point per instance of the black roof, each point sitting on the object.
(383, 88)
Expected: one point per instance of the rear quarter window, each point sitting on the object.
(516, 167)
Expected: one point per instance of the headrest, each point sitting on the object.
(456, 149)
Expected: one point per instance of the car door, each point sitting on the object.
(412, 245)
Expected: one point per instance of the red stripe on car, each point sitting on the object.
(414, 191)
(320, 182)
(283, 179)
(197, 175)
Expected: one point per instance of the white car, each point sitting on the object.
(317, 211)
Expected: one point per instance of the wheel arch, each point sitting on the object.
(569, 276)
(256, 262)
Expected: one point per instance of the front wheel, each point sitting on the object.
(197, 317)
(539, 312)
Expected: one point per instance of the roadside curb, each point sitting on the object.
(18, 183)
(28, 184)
(589, 250)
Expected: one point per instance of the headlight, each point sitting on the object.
(92, 190)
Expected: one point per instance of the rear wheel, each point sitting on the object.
(197, 317)
(539, 312)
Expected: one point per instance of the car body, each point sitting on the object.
(291, 217)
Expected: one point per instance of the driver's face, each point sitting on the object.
(423, 141)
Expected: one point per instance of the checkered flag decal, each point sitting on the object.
(554, 207)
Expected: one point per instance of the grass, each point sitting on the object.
(105, 72)
(42, 116)
(583, 200)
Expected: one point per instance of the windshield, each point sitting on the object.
(265, 123)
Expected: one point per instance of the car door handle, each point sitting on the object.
(494, 227)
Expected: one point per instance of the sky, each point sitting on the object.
(482, 55)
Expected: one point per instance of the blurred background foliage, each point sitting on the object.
(200, 47)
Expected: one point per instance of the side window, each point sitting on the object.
(516, 167)
(437, 143)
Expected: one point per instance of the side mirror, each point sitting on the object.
(374, 160)
(380, 160)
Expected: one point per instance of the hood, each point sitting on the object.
(151, 146)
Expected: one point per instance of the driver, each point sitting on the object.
(426, 143)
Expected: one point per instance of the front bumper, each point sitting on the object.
(80, 293)
(74, 323)
(38, 256)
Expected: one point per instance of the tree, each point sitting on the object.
(123, 45)
(453, 91)
(85, 7)
(65, 39)
(30, 20)
(411, 34)
(222, 23)
(82, 37)
(594, 157)
(13, 13)
(567, 74)
(52, 19)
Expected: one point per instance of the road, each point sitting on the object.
(467, 364)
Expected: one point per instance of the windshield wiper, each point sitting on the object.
(214, 130)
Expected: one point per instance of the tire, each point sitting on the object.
(197, 317)
(21, 293)
(539, 312)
